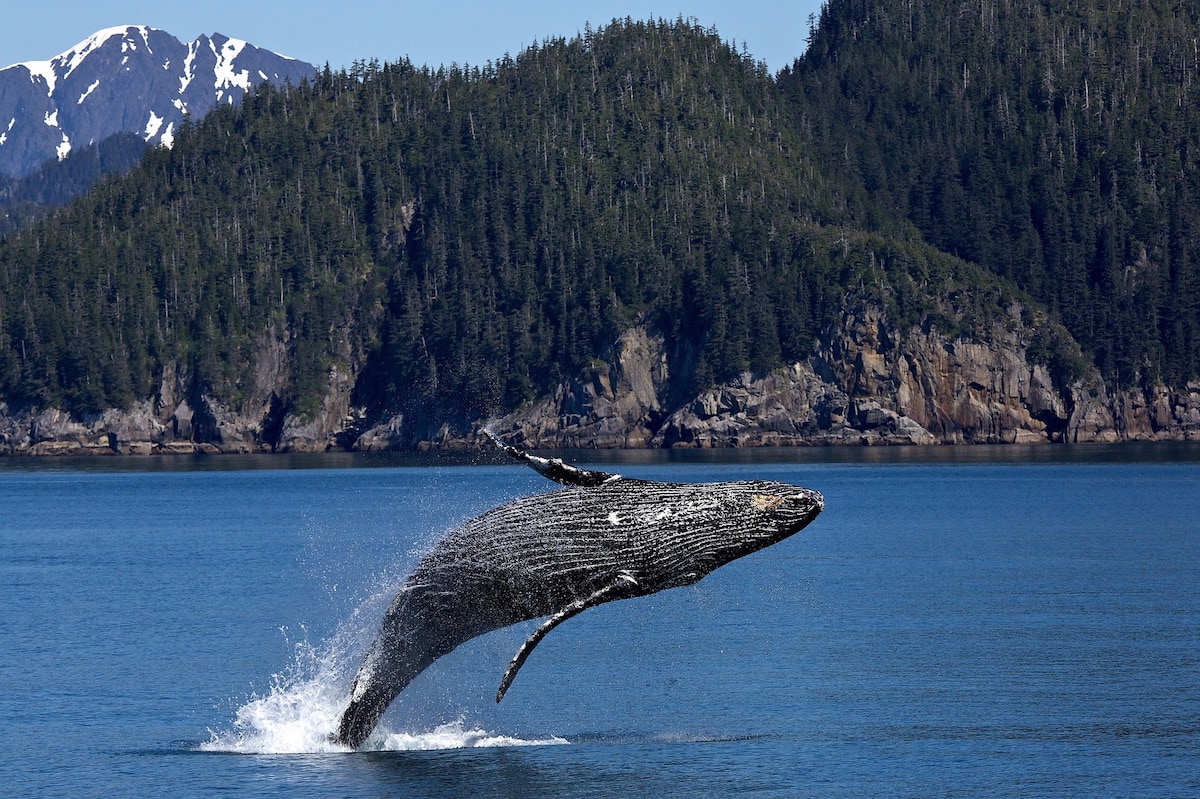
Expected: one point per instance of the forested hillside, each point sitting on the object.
(437, 246)
(1055, 143)
(460, 237)
(55, 183)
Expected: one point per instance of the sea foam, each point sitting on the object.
(301, 711)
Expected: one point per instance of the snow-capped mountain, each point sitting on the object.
(125, 79)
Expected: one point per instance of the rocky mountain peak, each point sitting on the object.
(130, 78)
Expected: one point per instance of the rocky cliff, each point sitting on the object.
(866, 382)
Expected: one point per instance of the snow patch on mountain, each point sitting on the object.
(227, 75)
(43, 70)
(189, 64)
(67, 62)
(152, 126)
(88, 91)
(129, 78)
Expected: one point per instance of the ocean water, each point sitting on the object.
(1017, 622)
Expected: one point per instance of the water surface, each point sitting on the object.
(955, 625)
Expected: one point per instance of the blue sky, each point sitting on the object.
(427, 32)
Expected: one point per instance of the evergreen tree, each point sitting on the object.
(1052, 143)
(459, 239)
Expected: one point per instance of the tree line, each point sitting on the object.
(461, 238)
(1054, 144)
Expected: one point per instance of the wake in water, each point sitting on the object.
(304, 705)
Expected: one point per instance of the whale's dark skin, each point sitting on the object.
(603, 537)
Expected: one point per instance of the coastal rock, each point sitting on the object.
(14, 430)
(216, 424)
(320, 433)
(1154, 414)
(384, 436)
(616, 403)
(136, 431)
(958, 391)
(788, 407)
(865, 382)
(181, 422)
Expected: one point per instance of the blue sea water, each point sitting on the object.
(958, 622)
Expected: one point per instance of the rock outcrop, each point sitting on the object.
(865, 382)
(617, 403)
(185, 418)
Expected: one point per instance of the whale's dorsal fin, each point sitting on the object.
(623, 585)
(554, 468)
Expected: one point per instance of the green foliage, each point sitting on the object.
(55, 183)
(462, 238)
(1053, 143)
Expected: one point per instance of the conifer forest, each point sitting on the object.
(461, 238)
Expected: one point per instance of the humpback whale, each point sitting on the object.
(601, 538)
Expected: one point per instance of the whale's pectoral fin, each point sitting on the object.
(554, 468)
(624, 585)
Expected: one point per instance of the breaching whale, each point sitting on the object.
(604, 537)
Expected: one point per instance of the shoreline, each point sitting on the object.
(465, 448)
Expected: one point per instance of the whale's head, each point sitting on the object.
(731, 520)
(778, 510)
(769, 512)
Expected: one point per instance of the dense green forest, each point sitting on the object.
(1057, 144)
(461, 238)
(472, 233)
(55, 183)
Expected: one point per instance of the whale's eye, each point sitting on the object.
(766, 501)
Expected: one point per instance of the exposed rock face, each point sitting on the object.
(182, 419)
(615, 404)
(955, 391)
(865, 383)
(385, 436)
(320, 433)
(791, 406)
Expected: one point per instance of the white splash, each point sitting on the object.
(305, 702)
(302, 710)
(451, 735)
(295, 717)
